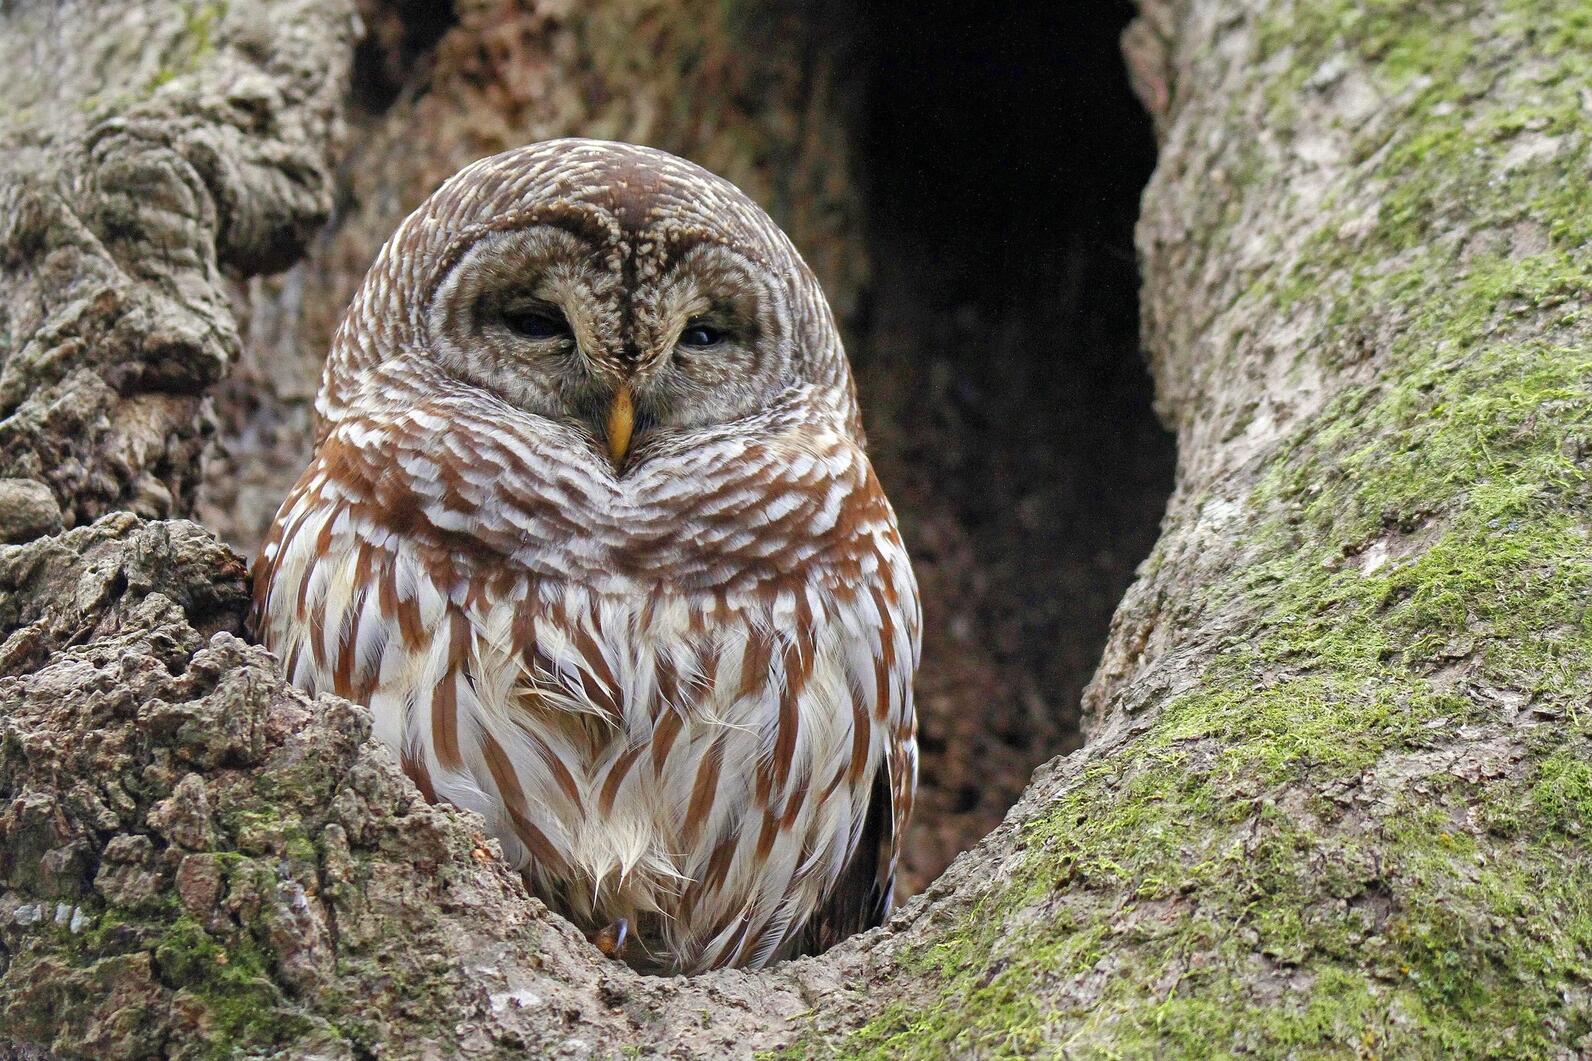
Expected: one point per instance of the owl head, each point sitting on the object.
(622, 293)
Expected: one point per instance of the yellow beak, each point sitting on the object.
(621, 422)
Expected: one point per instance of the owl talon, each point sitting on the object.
(611, 940)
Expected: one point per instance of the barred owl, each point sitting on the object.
(590, 529)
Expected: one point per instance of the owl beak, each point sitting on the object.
(621, 422)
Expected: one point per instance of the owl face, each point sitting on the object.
(633, 339)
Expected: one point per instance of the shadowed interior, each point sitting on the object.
(1006, 396)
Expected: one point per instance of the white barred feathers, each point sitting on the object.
(674, 674)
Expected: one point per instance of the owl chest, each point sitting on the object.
(553, 705)
(666, 701)
(700, 759)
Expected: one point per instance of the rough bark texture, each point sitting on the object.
(1337, 795)
(148, 150)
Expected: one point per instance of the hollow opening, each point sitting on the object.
(997, 156)
(1008, 406)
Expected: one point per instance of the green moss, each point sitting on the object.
(186, 955)
(1308, 853)
(243, 1003)
(1442, 152)
(267, 828)
(193, 45)
(1562, 793)
(230, 977)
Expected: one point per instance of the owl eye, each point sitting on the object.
(537, 322)
(698, 336)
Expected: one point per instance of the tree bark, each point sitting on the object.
(1336, 797)
(149, 151)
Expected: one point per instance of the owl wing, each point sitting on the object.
(863, 893)
(861, 897)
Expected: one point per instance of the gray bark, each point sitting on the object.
(1336, 798)
(149, 151)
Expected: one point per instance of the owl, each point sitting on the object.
(591, 530)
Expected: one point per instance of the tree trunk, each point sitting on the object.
(1337, 791)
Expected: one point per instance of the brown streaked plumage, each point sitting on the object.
(591, 529)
